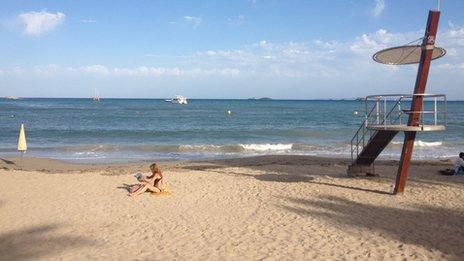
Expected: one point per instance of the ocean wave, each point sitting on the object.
(420, 143)
(210, 148)
(229, 148)
(89, 149)
(340, 148)
(425, 149)
(267, 147)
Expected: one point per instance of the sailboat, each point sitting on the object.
(96, 97)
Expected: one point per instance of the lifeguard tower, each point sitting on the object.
(387, 115)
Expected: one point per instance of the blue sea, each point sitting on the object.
(126, 130)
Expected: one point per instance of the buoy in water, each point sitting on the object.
(355, 113)
(229, 112)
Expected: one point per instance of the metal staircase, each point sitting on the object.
(385, 116)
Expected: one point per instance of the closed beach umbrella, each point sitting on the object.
(22, 146)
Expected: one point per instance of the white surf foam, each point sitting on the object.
(420, 143)
(267, 147)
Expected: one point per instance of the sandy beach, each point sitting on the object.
(269, 207)
(253, 111)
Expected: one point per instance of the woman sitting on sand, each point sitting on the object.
(152, 183)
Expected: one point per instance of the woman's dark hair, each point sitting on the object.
(154, 168)
(461, 154)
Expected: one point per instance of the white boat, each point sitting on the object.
(96, 97)
(178, 99)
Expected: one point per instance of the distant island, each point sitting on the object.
(260, 99)
(10, 98)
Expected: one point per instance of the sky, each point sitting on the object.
(221, 49)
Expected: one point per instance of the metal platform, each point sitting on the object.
(404, 127)
(386, 116)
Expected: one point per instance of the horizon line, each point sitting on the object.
(164, 98)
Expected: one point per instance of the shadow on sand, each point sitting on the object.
(434, 228)
(267, 165)
(272, 177)
(286, 177)
(353, 188)
(282, 169)
(8, 162)
(35, 242)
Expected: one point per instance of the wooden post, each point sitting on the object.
(21, 161)
(428, 44)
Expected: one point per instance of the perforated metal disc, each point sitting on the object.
(407, 54)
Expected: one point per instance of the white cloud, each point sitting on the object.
(312, 60)
(320, 58)
(373, 42)
(53, 70)
(230, 71)
(265, 45)
(39, 23)
(192, 21)
(236, 21)
(279, 72)
(366, 43)
(289, 60)
(48, 70)
(449, 66)
(16, 70)
(378, 8)
(232, 55)
(454, 36)
(174, 72)
(89, 21)
(445, 66)
(96, 69)
(147, 71)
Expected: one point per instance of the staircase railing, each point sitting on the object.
(389, 109)
(360, 136)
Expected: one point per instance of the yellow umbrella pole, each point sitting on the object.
(22, 145)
